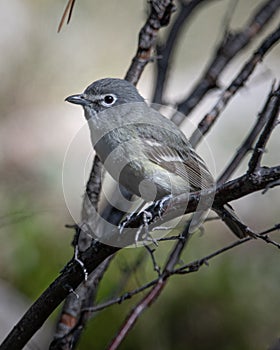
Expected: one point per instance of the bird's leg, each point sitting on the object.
(160, 205)
(147, 216)
(129, 216)
(146, 210)
(123, 223)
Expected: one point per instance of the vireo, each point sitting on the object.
(140, 148)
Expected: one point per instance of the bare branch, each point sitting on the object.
(210, 118)
(247, 144)
(195, 265)
(72, 320)
(160, 14)
(231, 45)
(136, 312)
(43, 307)
(93, 188)
(165, 51)
(255, 160)
(186, 268)
(154, 293)
(170, 270)
(74, 315)
(68, 10)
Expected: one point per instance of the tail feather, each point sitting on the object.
(228, 215)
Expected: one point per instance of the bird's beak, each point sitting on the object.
(78, 100)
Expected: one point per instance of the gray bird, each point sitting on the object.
(140, 148)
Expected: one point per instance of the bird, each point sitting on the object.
(140, 148)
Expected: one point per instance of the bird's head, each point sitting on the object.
(104, 94)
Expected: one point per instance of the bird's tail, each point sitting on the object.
(228, 215)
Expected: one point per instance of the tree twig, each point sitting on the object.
(195, 265)
(231, 44)
(156, 290)
(68, 10)
(255, 161)
(247, 144)
(160, 13)
(165, 50)
(190, 267)
(208, 121)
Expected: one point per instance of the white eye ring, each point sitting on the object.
(108, 100)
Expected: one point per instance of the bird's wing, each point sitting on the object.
(181, 160)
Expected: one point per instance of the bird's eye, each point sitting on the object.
(108, 100)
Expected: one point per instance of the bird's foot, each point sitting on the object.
(125, 222)
(160, 205)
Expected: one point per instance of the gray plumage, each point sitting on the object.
(139, 147)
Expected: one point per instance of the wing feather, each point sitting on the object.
(182, 161)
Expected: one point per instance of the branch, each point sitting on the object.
(159, 17)
(165, 51)
(210, 118)
(154, 293)
(170, 270)
(255, 161)
(224, 193)
(247, 144)
(72, 319)
(231, 45)
(68, 10)
(42, 308)
(193, 266)
(74, 316)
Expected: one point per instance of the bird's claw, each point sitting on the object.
(160, 205)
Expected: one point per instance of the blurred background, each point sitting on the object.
(45, 156)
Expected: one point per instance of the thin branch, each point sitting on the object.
(70, 278)
(74, 315)
(247, 144)
(268, 240)
(72, 320)
(231, 45)
(154, 293)
(137, 311)
(210, 118)
(165, 50)
(125, 296)
(233, 222)
(155, 265)
(68, 10)
(255, 161)
(170, 270)
(160, 13)
(193, 266)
